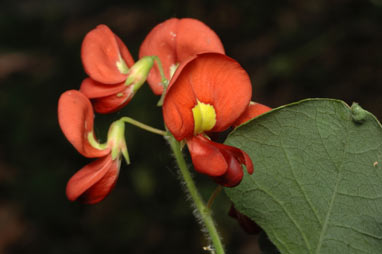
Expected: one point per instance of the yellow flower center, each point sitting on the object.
(204, 117)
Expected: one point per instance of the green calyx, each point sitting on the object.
(94, 143)
(139, 72)
(116, 140)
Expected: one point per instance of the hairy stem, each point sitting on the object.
(202, 209)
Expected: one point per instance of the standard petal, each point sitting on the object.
(114, 102)
(178, 104)
(93, 182)
(100, 54)
(194, 37)
(160, 41)
(76, 119)
(210, 78)
(253, 110)
(220, 81)
(206, 158)
(174, 41)
(93, 89)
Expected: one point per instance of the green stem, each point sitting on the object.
(203, 211)
(164, 80)
(143, 126)
(160, 68)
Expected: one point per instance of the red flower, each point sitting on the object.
(92, 183)
(113, 76)
(253, 110)
(174, 41)
(221, 162)
(208, 93)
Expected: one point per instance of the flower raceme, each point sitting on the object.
(92, 183)
(174, 41)
(208, 93)
(113, 76)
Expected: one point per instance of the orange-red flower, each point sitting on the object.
(208, 93)
(93, 182)
(113, 76)
(253, 110)
(174, 41)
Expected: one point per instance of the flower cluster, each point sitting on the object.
(94, 181)
(204, 92)
(113, 76)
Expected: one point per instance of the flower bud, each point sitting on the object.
(116, 140)
(139, 72)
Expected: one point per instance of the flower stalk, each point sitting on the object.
(143, 126)
(203, 211)
(164, 80)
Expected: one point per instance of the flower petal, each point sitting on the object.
(234, 173)
(93, 182)
(125, 53)
(160, 41)
(93, 89)
(206, 157)
(114, 102)
(211, 78)
(234, 157)
(174, 41)
(103, 187)
(253, 110)
(219, 161)
(76, 119)
(101, 53)
(194, 37)
(239, 154)
(177, 107)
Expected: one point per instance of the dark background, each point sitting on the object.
(292, 50)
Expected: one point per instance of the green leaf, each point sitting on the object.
(317, 185)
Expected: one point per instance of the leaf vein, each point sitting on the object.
(285, 211)
(326, 222)
(358, 231)
(338, 179)
(299, 185)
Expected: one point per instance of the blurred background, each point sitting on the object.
(291, 49)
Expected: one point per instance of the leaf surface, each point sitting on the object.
(317, 185)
